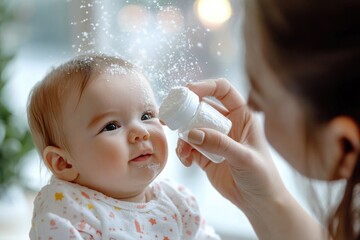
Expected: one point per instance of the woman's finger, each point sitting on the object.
(217, 143)
(183, 151)
(220, 89)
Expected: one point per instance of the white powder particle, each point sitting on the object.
(115, 69)
(155, 167)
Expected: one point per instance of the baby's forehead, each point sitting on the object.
(133, 81)
(124, 75)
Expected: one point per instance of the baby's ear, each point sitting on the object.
(57, 161)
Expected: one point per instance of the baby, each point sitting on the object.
(94, 120)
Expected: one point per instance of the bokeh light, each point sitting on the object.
(170, 19)
(213, 13)
(133, 18)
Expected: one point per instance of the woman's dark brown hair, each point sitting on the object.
(315, 46)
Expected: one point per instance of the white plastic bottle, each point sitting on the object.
(181, 110)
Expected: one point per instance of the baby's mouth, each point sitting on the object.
(141, 158)
(146, 160)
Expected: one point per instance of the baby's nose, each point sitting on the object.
(138, 134)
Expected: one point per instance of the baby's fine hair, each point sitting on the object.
(48, 97)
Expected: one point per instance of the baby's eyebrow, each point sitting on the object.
(98, 118)
(150, 105)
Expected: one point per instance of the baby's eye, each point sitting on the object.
(147, 116)
(110, 127)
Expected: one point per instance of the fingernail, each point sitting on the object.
(187, 162)
(179, 148)
(195, 136)
(193, 84)
(182, 159)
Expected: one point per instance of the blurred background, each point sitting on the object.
(174, 42)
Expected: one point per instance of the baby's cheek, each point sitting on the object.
(111, 152)
(160, 143)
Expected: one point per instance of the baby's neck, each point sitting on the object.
(143, 197)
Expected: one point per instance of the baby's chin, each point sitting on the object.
(152, 165)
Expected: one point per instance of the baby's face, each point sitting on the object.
(117, 143)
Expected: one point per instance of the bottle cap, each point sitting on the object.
(178, 107)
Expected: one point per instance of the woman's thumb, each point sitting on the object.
(217, 143)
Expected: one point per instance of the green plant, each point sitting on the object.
(15, 141)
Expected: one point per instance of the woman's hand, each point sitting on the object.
(248, 174)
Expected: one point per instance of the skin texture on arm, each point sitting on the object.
(248, 177)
